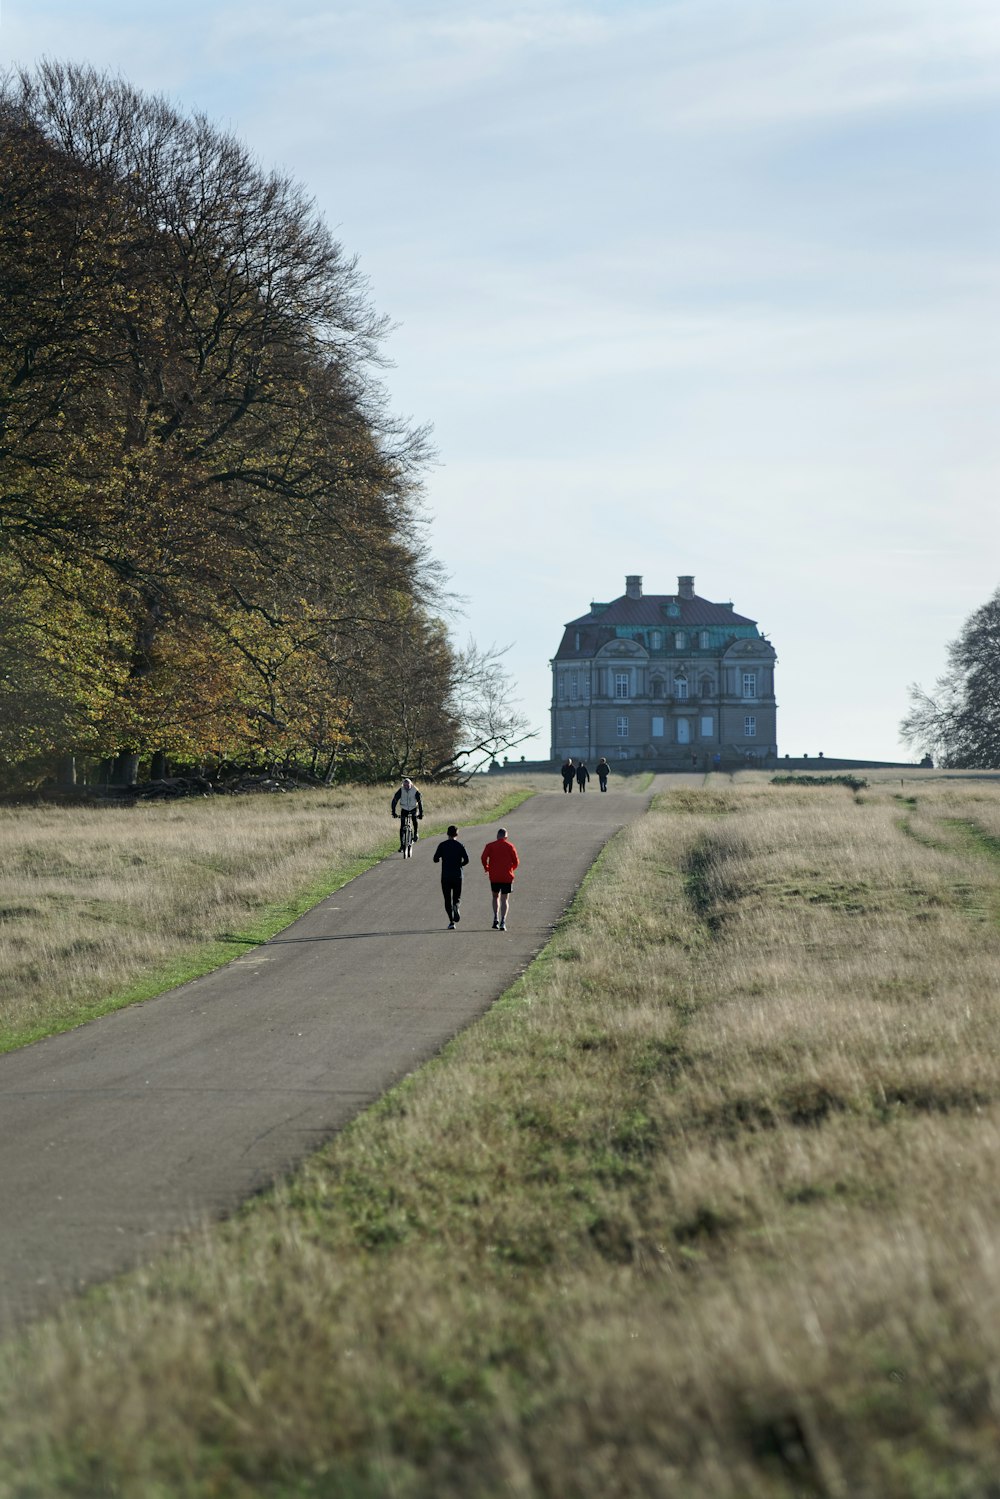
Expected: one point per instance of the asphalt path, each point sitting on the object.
(119, 1135)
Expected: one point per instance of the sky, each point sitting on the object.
(704, 287)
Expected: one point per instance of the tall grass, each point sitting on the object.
(706, 1206)
(103, 905)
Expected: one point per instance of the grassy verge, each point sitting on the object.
(101, 907)
(705, 1206)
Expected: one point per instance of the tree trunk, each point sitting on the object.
(125, 771)
(67, 772)
(159, 769)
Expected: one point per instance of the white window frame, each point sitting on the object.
(680, 640)
(703, 640)
(750, 726)
(750, 684)
(681, 687)
(655, 640)
(622, 726)
(622, 684)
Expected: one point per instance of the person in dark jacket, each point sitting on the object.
(603, 771)
(452, 857)
(582, 776)
(568, 772)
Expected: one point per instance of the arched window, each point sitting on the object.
(655, 640)
(703, 640)
(705, 686)
(657, 686)
(680, 640)
(680, 686)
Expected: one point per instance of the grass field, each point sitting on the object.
(706, 1206)
(103, 905)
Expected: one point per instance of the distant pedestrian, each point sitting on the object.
(717, 761)
(603, 771)
(568, 772)
(582, 776)
(452, 857)
(500, 861)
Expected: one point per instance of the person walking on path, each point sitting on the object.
(568, 772)
(582, 776)
(452, 857)
(500, 861)
(407, 799)
(603, 771)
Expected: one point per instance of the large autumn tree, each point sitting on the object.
(210, 538)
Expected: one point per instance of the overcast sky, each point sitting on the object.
(683, 286)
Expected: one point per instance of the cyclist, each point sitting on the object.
(407, 799)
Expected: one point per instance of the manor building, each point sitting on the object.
(665, 680)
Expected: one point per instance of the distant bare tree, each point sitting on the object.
(959, 722)
(486, 711)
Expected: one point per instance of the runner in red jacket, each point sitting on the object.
(500, 860)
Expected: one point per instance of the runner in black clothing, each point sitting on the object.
(452, 857)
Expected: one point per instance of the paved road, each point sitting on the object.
(141, 1124)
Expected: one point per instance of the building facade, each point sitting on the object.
(664, 680)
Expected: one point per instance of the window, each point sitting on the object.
(657, 728)
(707, 726)
(655, 640)
(703, 640)
(622, 726)
(576, 639)
(657, 686)
(683, 731)
(680, 687)
(750, 726)
(621, 684)
(574, 688)
(562, 685)
(749, 684)
(680, 640)
(705, 686)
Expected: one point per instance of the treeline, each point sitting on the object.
(211, 544)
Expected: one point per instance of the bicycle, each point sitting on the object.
(406, 836)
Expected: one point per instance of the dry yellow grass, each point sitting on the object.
(99, 905)
(705, 1207)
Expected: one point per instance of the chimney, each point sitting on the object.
(633, 587)
(685, 588)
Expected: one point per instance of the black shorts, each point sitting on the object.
(500, 887)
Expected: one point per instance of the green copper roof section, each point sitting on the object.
(719, 636)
